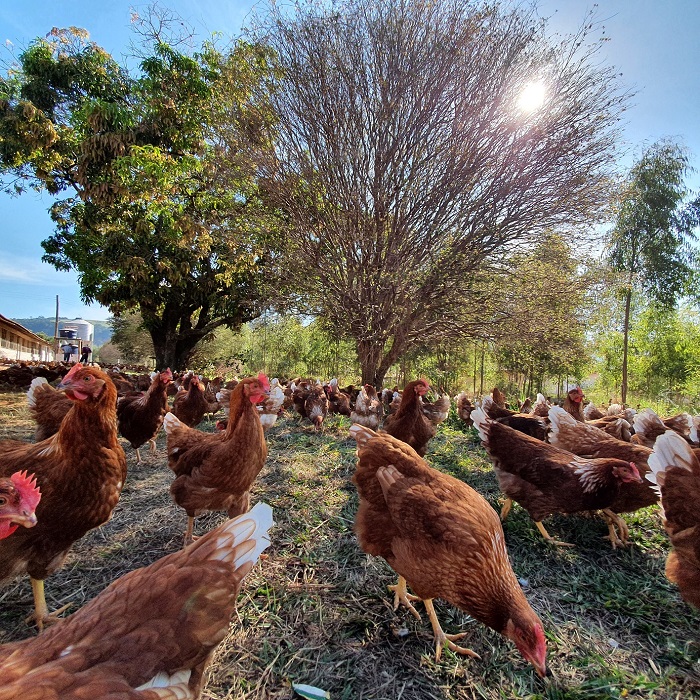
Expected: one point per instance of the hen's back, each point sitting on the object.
(157, 625)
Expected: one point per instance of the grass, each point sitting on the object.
(317, 610)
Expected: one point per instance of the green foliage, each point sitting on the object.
(282, 347)
(664, 358)
(163, 213)
(543, 334)
(652, 241)
(131, 338)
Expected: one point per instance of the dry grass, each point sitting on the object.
(317, 611)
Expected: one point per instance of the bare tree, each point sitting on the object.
(408, 163)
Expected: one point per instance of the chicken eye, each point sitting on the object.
(3, 500)
(87, 378)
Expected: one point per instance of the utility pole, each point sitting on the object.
(55, 330)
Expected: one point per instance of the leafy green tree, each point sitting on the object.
(407, 164)
(160, 210)
(542, 334)
(651, 244)
(131, 338)
(666, 346)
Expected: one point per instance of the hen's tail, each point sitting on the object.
(171, 423)
(646, 421)
(675, 471)
(559, 419)
(38, 385)
(481, 422)
(670, 450)
(239, 541)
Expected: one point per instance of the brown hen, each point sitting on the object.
(214, 471)
(140, 416)
(444, 540)
(190, 404)
(545, 479)
(80, 472)
(151, 634)
(675, 470)
(585, 440)
(409, 423)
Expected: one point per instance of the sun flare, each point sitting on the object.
(532, 97)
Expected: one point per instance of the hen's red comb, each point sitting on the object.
(73, 371)
(262, 378)
(26, 485)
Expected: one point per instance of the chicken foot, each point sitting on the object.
(442, 639)
(613, 519)
(41, 615)
(401, 595)
(506, 508)
(189, 537)
(549, 538)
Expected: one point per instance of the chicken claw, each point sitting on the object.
(506, 508)
(189, 537)
(613, 519)
(549, 538)
(41, 615)
(442, 639)
(401, 595)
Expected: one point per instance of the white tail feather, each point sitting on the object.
(361, 434)
(670, 450)
(645, 420)
(164, 680)
(171, 422)
(558, 417)
(31, 396)
(480, 420)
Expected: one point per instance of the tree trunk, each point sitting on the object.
(483, 353)
(625, 343)
(369, 355)
(172, 351)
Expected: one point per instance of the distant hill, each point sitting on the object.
(45, 324)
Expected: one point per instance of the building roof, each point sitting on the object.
(18, 328)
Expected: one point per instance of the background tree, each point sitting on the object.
(408, 164)
(542, 333)
(133, 341)
(651, 244)
(162, 212)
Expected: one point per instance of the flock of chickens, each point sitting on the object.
(439, 535)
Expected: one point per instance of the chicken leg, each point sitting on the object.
(138, 456)
(189, 537)
(613, 519)
(441, 638)
(152, 443)
(401, 595)
(41, 615)
(549, 538)
(506, 508)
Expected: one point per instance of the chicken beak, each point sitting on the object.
(25, 519)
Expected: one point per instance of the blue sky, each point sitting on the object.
(653, 43)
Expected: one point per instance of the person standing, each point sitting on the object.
(84, 354)
(66, 349)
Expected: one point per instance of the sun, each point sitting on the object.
(532, 97)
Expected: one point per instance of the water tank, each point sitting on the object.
(68, 333)
(85, 330)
